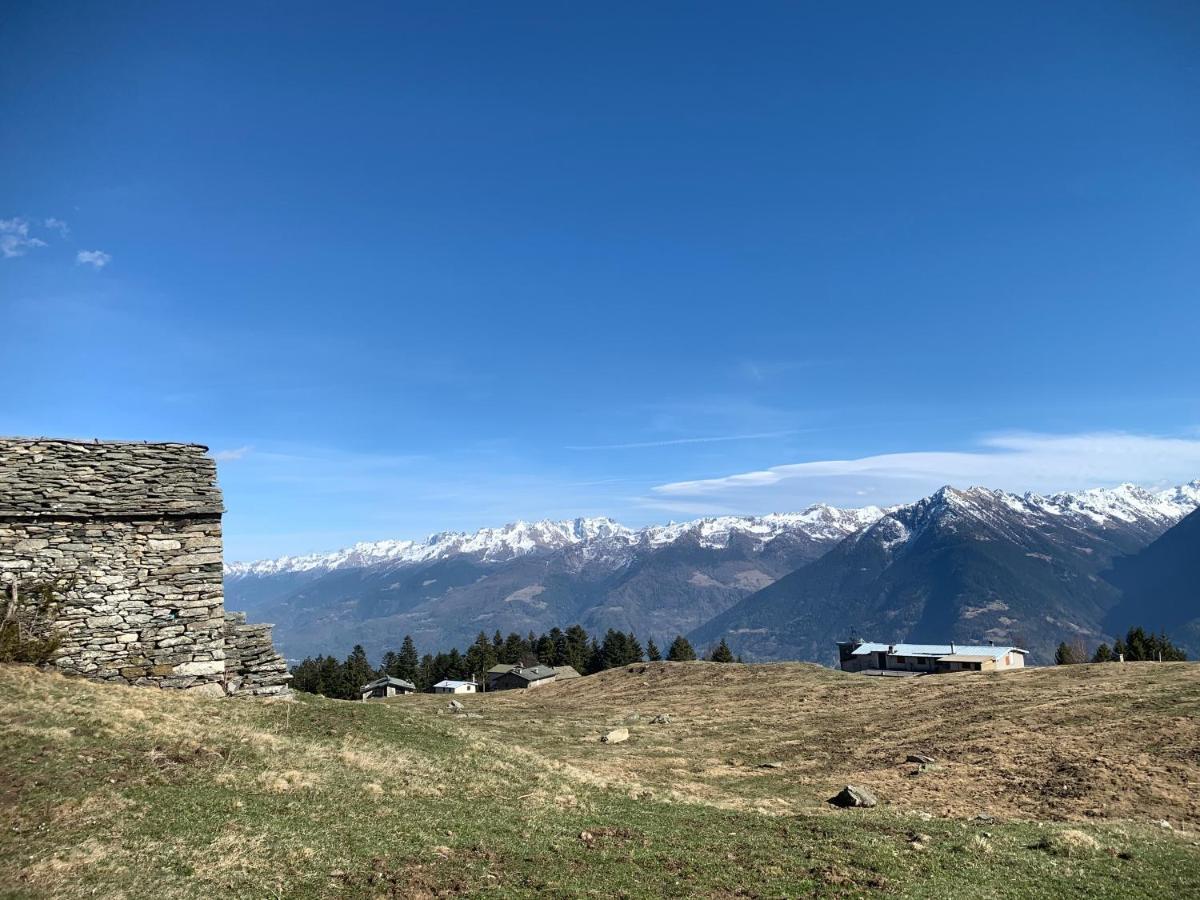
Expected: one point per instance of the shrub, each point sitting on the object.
(26, 632)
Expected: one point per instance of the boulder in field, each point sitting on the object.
(853, 795)
(615, 736)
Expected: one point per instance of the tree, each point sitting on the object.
(681, 650)
(409, 661)
(1070, 653)
(619, 649)
(633, 649)
(513, 648)
(652, 652)
(1139, 645)
(1102, 654)
(721, 653)
(577, 649)
(357, 672)
(480, 655)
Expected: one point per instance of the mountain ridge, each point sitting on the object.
(679, 578)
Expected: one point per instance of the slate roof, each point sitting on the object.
(50, 478)
(447, 682)
(938, 650)
(387, 680)
(534, 673)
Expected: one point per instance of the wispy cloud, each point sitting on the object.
(58, 225)
(670, 442)
(231, 455)
(96, 258)
(1037, 462)
(15, 239)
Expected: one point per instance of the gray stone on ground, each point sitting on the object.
(770, 765)
(919, 758)
(661, 719)
(455, 705)
(615, 736)
(853, 795)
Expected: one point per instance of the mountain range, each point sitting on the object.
(961, 564)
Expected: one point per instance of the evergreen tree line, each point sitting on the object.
(574, 647)
(1136, 646)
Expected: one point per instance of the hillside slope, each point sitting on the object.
(966, 565)
(1161, 587)
(133, 793)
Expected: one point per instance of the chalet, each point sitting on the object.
(522, 677)
(901, 660)
(387, 686)
(449, 686)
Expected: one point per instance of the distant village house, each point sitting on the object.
(385, 687)
(505, 677)
(448, 686)
(901, 660)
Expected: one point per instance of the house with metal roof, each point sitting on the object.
(449, 686)
(382, 688)
(901, 660)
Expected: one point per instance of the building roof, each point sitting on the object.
(534, 673)
(937, 650)
(106, 479)
(502, 668)
(387, 680)
(446, 682)
(565, 672)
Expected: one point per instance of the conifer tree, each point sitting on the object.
(681, 650)
(721, 653)
(408, 662)
(357, 671)
(652, 652)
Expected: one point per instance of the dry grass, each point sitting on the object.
(1070, 743)
(122, 792)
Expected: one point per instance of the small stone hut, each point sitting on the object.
(128, 535)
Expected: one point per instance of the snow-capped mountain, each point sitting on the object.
(594, 537)
(969, 564)
(743, 577)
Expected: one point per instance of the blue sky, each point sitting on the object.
(418, 266)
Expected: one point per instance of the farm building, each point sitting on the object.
(899, 660)
(515, 677)
(113, 548)
(449, 686)
(387, 686)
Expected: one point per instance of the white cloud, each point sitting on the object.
(15, 239)
(1016, 462)
(58, 225)
(96, 258)
(231, 455)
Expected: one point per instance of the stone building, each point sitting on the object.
(128, 535)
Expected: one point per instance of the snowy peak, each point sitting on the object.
(604, 541)
(591, 538)
(1126, 505)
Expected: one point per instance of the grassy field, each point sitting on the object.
(1048, 783)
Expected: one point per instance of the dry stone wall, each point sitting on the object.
(129, 535)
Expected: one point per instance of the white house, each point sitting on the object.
(455, 687)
